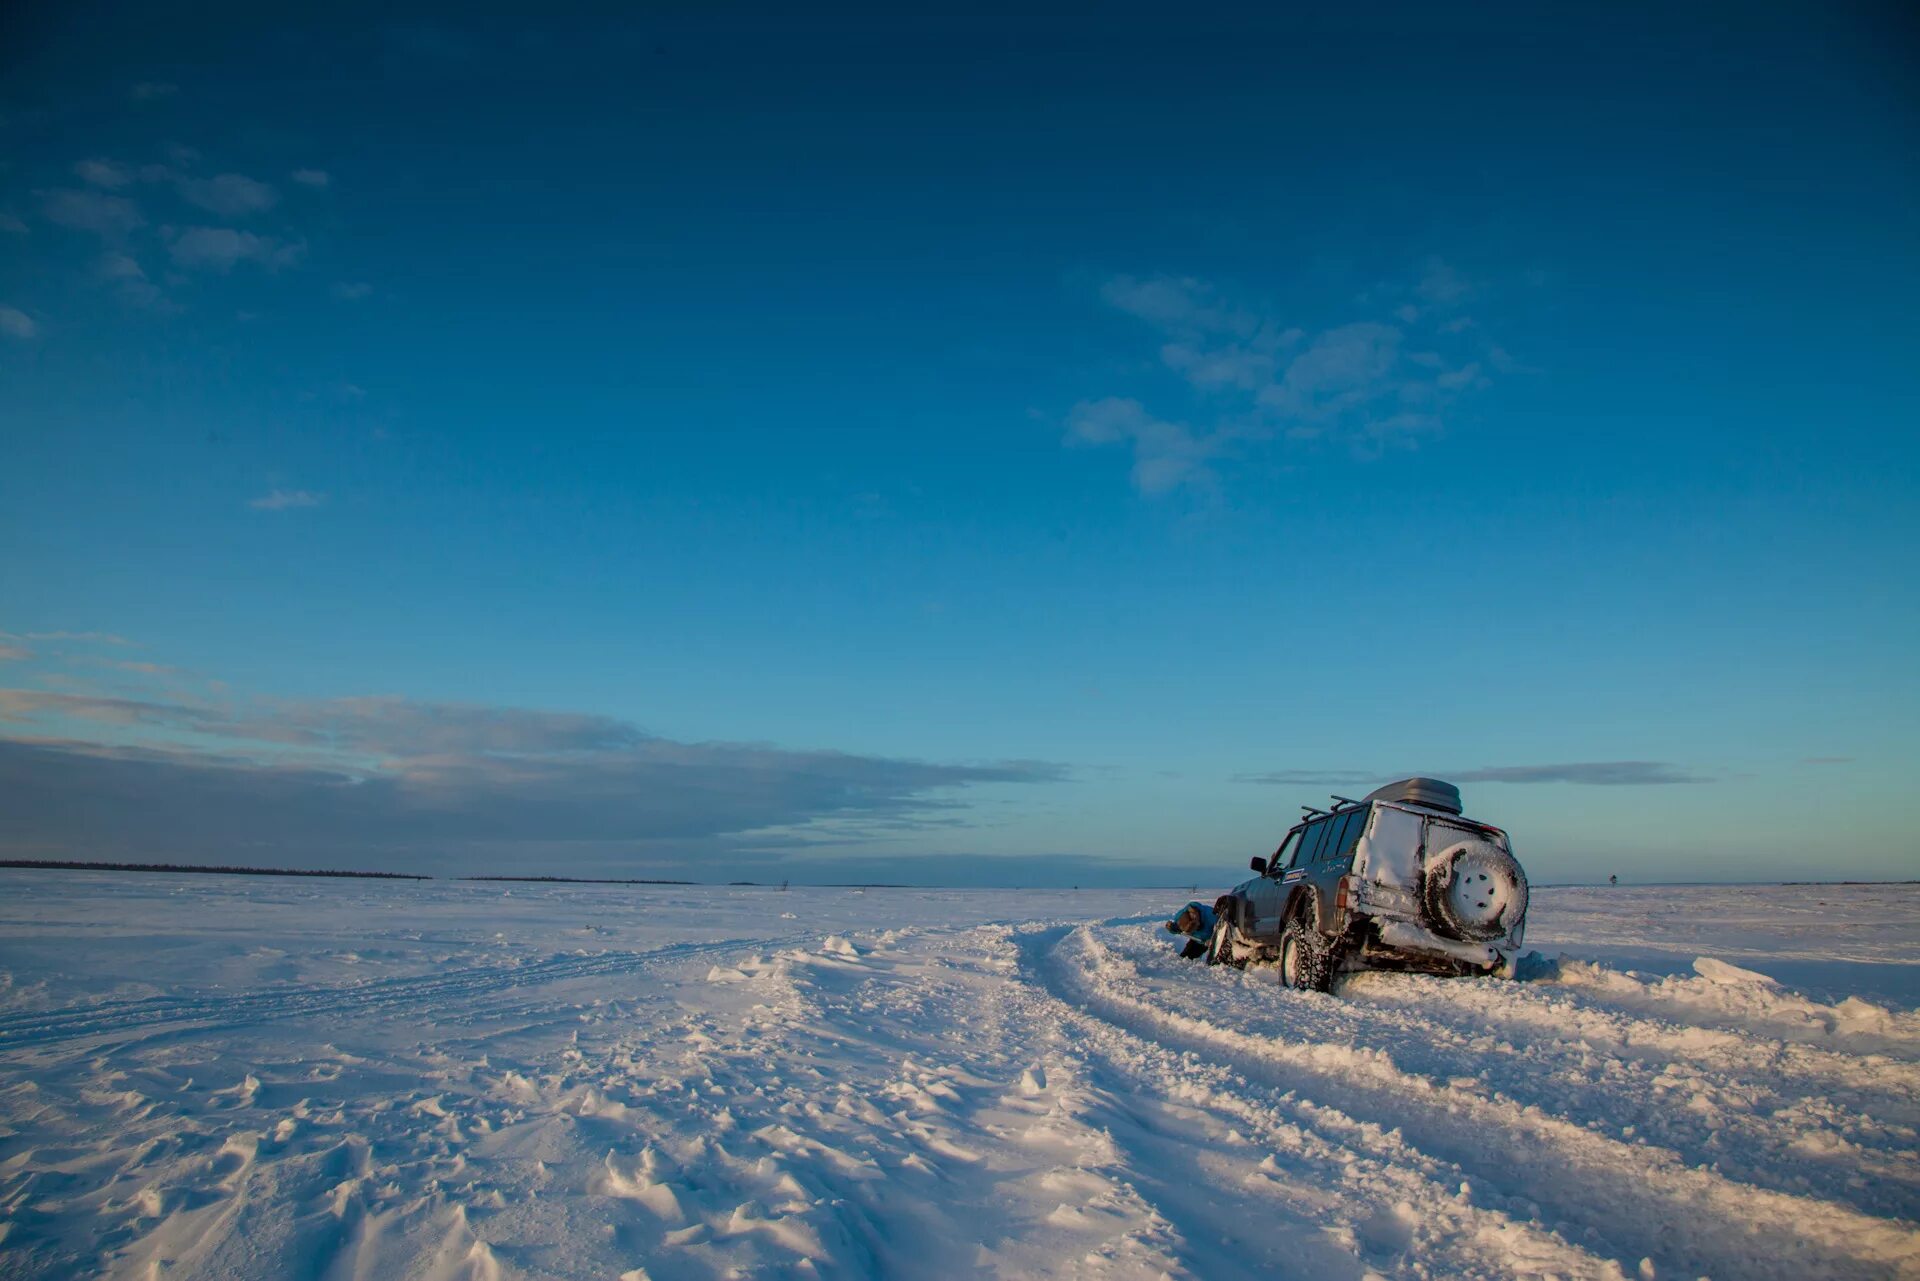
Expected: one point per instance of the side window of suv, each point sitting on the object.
(1284, 857)
(1336, 827)
(1312, 840)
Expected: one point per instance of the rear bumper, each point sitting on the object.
(1398, 937)
(1423, 949)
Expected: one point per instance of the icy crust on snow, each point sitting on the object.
(660, 1082)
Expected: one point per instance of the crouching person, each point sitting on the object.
(1194, 923)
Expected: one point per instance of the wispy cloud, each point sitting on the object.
(1255, 377)
(1166, 455)
(15, 323)
(12, 224)
(1595, 773)
(229, 195)
(1826, 760)
(311, 177)
(1588, 773)
(80, 638)
(1313, 778)
(125, 275)
(477, 787)
(111, 217)
(136, 666)
(221, 248)
(11, 653)
(1444, 285)
(152, 91)
(104, 173)
(352, 290)
(284, 499)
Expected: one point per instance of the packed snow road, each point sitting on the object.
(234, 1077)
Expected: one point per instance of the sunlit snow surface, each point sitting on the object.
(241, 1077)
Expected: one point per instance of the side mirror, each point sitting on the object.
(1258, 865)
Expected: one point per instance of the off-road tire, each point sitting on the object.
(1457, 869)
(1306, 958)
(1220, 943)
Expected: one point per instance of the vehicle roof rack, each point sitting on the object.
(1312, 811)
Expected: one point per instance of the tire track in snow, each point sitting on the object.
(1585, 1015)
(47, 1028)
(1852, 1145)
(1378, 1181)
(1632, 1201)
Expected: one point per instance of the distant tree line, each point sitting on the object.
(77, 866)
(579, 880)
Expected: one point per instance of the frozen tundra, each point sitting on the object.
(1397, 880)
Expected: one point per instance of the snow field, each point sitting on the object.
(211, 1076)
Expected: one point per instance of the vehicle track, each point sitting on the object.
(47, 1028)
(1378, 1177)
(1847, 1135)
(1625, 1200)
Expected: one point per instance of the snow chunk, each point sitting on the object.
(1720, 972)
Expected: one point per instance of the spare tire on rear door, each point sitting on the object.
(1473, 891)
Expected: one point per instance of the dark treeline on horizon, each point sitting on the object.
(581, 880)
(74, 865)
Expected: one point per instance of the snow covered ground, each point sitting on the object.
(248, 1077)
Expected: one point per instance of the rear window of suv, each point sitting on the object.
(1344, 833)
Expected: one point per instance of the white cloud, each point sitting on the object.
(15, 323)
(1235, 365)
(12, 224)
(1591, 773)
(1176, 303)
(109, 216)
(14, 653)
(1443, 285)
(148, 91)
(114, 266)
(230, 195)
(1166, 455)
(352, 290)
(219, 248)
(80, 638)
(311, 177)
(125, 274)
(284, 499)
(1339, 368)
(1261, 378)
(103, 173)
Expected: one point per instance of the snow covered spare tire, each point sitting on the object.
(1474, 891)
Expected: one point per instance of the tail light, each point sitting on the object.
(1343, 897)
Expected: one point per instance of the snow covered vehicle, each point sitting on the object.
(1397, 880)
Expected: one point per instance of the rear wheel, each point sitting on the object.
(1306, 960)
(1221, 945)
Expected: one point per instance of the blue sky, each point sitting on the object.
(1013, 448)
